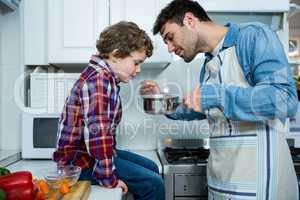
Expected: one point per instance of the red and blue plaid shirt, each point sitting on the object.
(87, 126)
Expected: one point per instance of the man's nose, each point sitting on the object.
(171, 48)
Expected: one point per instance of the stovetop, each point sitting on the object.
(186, 156)
(295, 152)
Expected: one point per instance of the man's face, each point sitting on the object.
(180, 40)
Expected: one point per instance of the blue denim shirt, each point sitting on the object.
(272, 93)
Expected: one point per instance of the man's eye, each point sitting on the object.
(170, 38)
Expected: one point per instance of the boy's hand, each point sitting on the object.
(123, 186)
(149, 87)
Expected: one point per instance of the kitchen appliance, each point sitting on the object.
(295, 152)
(9, 5)
(39, 135)
(48, 91)
(160, 103)
(184, 164)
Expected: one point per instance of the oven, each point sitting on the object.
(295, 152)
(184, 169)
(39, 135)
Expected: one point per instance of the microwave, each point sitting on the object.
(39, 133)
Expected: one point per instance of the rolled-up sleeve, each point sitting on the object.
(272, 93)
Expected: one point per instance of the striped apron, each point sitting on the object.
(248, 160)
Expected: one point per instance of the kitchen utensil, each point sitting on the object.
(160, 103)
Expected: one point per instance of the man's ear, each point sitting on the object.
(189, 20)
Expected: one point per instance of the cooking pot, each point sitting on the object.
(160, 103)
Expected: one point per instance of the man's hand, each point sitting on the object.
(149, 87)
(192, 100)
(123, 186)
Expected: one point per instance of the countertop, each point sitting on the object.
(38, 168)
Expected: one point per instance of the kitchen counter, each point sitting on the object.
(38, 168)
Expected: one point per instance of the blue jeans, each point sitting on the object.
(139, 173)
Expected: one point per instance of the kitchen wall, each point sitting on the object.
(294, 34)
(294, 24)
(10, 69)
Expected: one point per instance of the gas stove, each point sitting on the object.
(186, 155)
(184, 169)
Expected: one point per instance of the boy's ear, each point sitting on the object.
(114, 55)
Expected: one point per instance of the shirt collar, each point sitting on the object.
(96, 61)
(231, 36)
(229, 39)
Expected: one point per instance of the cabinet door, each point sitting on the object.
(74, 26)
(244, 6)
(143, 13)
(34, 30)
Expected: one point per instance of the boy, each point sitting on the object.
(86, 135)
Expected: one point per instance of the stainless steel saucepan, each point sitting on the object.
(160, 103)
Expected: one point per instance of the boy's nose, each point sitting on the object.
(138, 69)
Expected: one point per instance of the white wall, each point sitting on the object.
(10, 69)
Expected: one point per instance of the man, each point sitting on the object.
(246, 92)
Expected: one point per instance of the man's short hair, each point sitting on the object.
(175, 12)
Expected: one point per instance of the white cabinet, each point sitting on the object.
(65, 31)
(35, 32)
(143, 13)
(244, 6)
(73, 28)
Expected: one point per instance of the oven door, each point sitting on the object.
(190, 185)
(39, 135)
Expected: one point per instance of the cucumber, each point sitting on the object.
(4, 171)
(2, 194)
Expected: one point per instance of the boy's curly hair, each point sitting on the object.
(126, 37)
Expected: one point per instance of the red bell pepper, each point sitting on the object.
(17, 186)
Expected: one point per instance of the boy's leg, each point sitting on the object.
(137, 159)
(86, 175)
(143, 183)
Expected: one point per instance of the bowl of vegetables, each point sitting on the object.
(67, 174)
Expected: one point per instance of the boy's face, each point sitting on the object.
(128, 67)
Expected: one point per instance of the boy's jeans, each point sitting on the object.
(139, 173)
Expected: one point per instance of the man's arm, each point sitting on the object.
(98, 137)
(186, 114)
(273, 93)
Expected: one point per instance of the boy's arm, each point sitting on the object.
(95, 98)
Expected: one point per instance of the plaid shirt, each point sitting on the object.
(87, 126)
